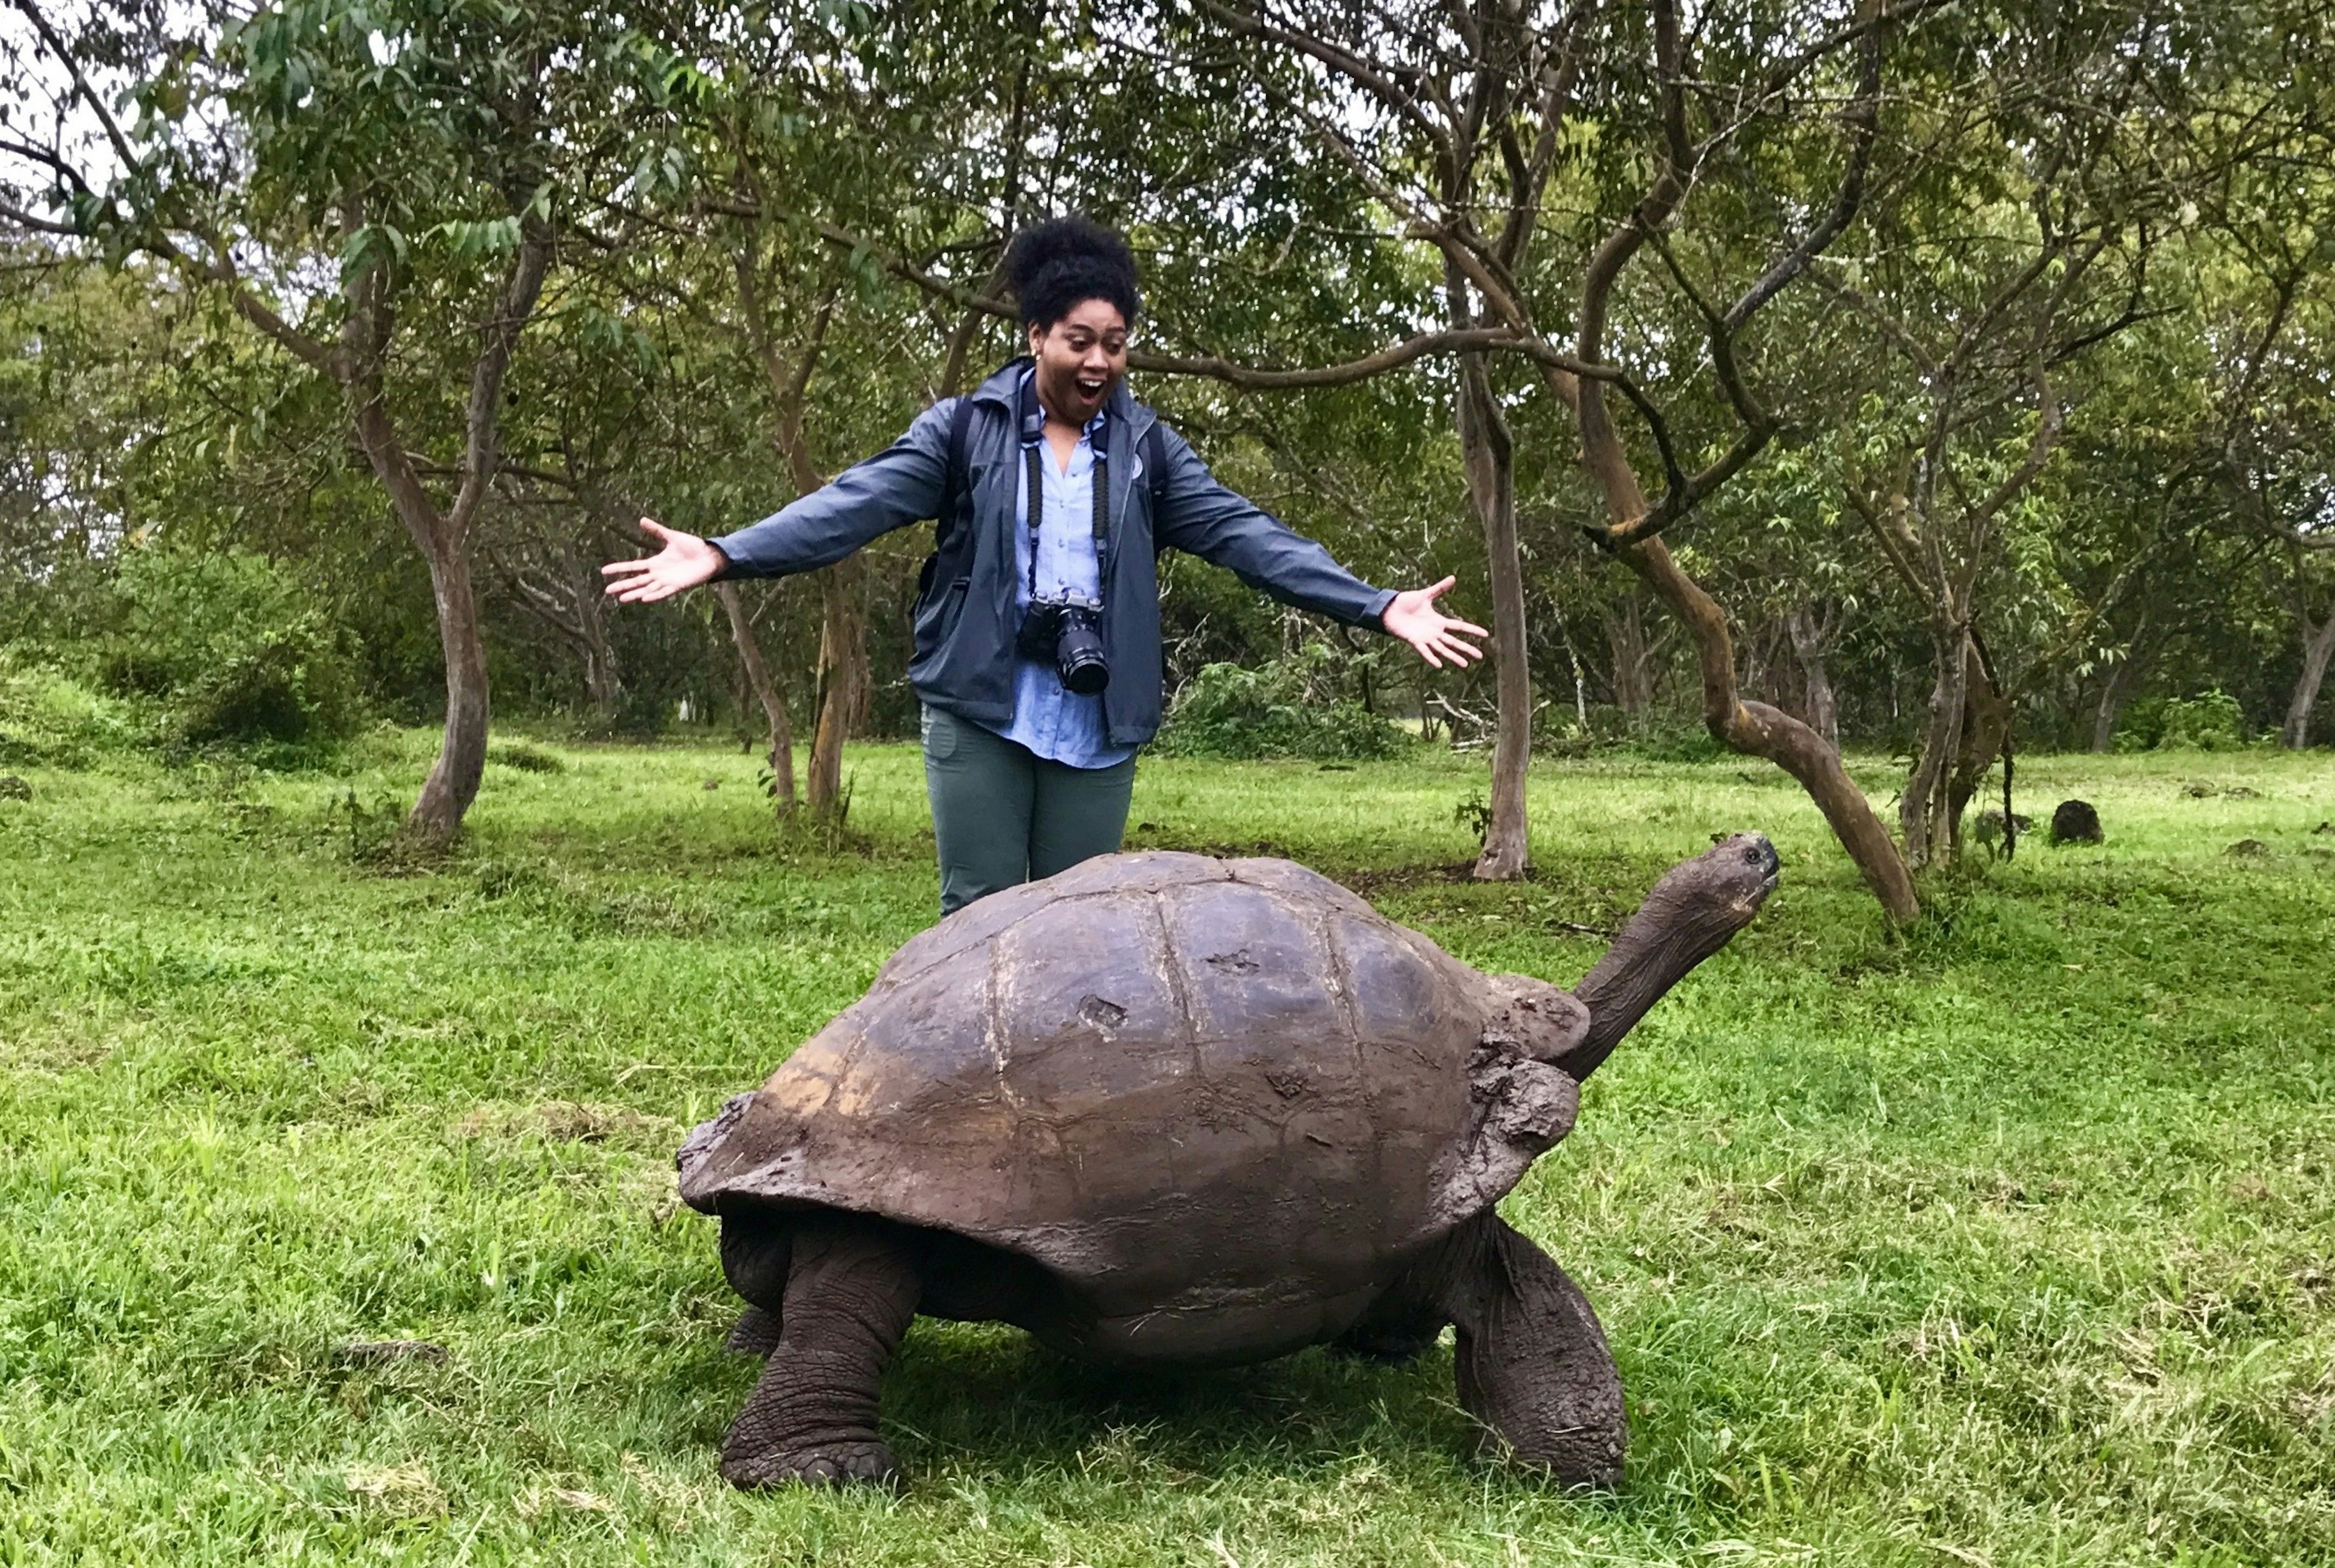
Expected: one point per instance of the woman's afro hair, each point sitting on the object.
(1055, 265)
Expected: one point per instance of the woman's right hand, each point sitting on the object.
(685, 561)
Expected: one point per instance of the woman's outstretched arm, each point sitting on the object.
(1201, 517)
(900, 485)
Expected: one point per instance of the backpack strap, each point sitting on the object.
(960, 440)
(1155, 467)
(947, 533)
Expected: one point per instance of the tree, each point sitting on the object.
(420, 163)
(2020, 247)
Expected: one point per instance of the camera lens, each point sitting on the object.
(1078, 657)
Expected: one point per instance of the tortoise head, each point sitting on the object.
(1692, 912)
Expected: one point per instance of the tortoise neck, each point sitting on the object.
(1666, 938)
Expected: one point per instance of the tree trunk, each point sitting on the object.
(781, 753)
(843, 683)
(2114, 694)
(567, 598)
(1985, 735)
(1922, 809)
(453, 781)
(1489, 455)
(603, 679)
(2318, 649)
(1625, 639)
(1823, 709)
(1757, 730)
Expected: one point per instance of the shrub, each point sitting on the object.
(526, 757)
(1674, 741)
(1232, 712)
(48, 719)
(227, 646)
(2211, 722)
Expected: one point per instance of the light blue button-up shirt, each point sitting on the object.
(1054, 723)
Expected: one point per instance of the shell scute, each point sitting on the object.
(1252, 966)
(1084, 1010)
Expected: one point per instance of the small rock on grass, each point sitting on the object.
(13, 788)
(2247, 848)
(2075, 822)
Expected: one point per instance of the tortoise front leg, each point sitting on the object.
(851, 1289)
(1533, 1365)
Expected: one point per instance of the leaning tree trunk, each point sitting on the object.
(1758, 730)
(603, 676)
(453, 781)
(1489, 455)
(843, 685)
(2318, 652)
(781, 753)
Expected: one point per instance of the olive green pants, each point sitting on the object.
(1003, 816)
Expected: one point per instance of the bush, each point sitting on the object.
(1272, 710)
(229, 650)
(1672, 740)
(2211, 722)
(48, 719)
(526, 757)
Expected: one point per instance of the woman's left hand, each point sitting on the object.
(1414, 618)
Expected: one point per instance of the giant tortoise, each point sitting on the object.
(1167, 1110)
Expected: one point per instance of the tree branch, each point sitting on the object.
(481, 424)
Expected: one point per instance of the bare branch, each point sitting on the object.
(1352, 67)
(1863, 118)
(481, 424)
(1255, 378)
(25, 220)
(82, 89)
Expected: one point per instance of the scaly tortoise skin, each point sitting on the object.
(1164, 1109)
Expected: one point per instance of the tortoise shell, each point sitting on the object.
(1222, 1102)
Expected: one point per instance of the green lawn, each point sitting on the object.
(2010, 1243)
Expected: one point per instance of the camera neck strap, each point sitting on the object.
(1034, 482)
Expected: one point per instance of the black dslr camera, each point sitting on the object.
(1068, 631)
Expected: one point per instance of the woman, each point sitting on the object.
(1036, 626)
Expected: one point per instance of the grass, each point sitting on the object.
(2012, 1243)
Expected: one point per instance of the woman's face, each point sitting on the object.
(1081, 358)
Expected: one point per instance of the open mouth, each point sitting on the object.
(1090, 389)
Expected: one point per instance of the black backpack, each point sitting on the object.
(947, 542)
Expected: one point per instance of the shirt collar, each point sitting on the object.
(1033, 416)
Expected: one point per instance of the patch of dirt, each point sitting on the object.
(562, 1121)
(372, 1352)
(1401, 878)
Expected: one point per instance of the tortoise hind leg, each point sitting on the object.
(755, 1333)
(1533, 1365)
(756, 1247)
(851, 1290)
